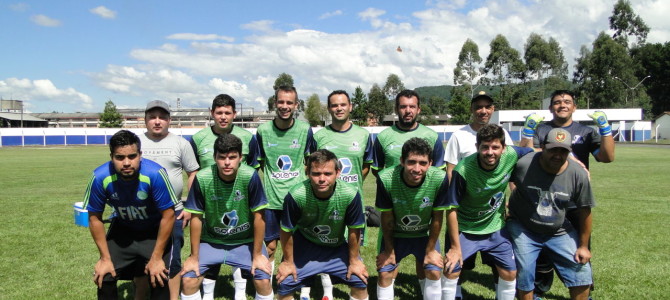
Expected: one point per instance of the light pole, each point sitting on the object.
(631, 88)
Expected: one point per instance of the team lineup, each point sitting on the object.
(285, 185)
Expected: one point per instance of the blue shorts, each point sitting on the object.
(272, 217)
(311, 259)
(561, 248)
(177, 243)
(236, 256)
(406, 246)
(495, 247)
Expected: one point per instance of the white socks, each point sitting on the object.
(352, 298)
(448, 288)
(207, 289)
(506, 289)
(304, 292)
(422, 284)
(266, 297)
(240, 284)
(432, 289)
(385, 293)
(327, 286)
(195, 296)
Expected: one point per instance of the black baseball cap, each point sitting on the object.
(481, 95)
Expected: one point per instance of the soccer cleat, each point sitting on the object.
(325, 298)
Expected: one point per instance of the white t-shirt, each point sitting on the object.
(462, 144)
(174, 154)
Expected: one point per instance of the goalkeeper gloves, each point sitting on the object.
(532, 122)
(600, 118)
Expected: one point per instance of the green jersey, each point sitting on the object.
(353, 148)
(322, 221)
(228, 207)
(202, 143)
(412, 206)
(283, 154)
(388, 146)
(481, 194)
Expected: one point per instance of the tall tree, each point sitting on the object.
(504, 66)
(359, 100)
(626, 23)
(378, 104)
(467, 71)
(459, 106)
(393, 86)
(654, 60)
(315, 112)
(544, 59)
(282, 80)
(110, 117)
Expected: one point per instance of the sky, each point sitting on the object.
(73, 56)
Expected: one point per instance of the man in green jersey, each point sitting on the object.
(386, 151)
(227, 204)
(283, 144)
(412, 198)
(477, 188)
(223, 113)
(353, 147)
(316, 213)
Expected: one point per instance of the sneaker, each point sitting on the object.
(325, 298)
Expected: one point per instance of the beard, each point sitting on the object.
(407, 124)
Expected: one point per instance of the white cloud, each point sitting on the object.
(103, 12)
(199, 37)
(330, 14)
(260, 26)
(20, 7)
(43, 20)
(42, 90)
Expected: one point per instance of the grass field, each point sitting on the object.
(45, 256)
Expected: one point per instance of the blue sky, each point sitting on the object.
(75, 55)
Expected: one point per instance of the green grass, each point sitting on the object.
(45, 256)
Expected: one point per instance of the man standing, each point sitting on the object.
(353, 147)
(230, 196)
(316, 212)
(140, 192)
(412, 198)
(477, 188)
(283, 143)
(462, 144)
(174, 154)
(223, 113)
(548, 186)
(386, 151)
(585, 140)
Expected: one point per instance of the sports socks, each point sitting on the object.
(207, 289)
(505, 289)
(195, 296)
(352, 298)
(385, 293)
(304, 292)
(432, 289)
(266, 297)
(448, 288)
(327, 286)
(240, 284)
(422, 284)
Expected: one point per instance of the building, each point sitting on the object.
(662, 126)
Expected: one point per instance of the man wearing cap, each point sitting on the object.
(174, 154)
(585, 140)
(462, 144)
(549, 185)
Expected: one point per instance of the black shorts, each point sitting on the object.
(131, 250)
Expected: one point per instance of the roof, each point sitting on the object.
(665, 113)
(17, 117)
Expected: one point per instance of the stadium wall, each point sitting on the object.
(637, 131)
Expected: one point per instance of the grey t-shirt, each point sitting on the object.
(174, 154)
(541, 200)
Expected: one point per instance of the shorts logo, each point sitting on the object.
(142, 195)
(284, 163)
(321, 230)
(238, 196)
(335, 215)
(425, 202)
(295, 144)
(230, 219)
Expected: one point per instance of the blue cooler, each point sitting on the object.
(80, 214)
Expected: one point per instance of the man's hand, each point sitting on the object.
(186, 217)
(385, 258)
(191, 264)
(357, 267)
(532, 122)
(433, 258)
(262, 263)
(583, 255)
(286, 269)
(156, 270)
(102, 267)
(600, 118)
(452, 259)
